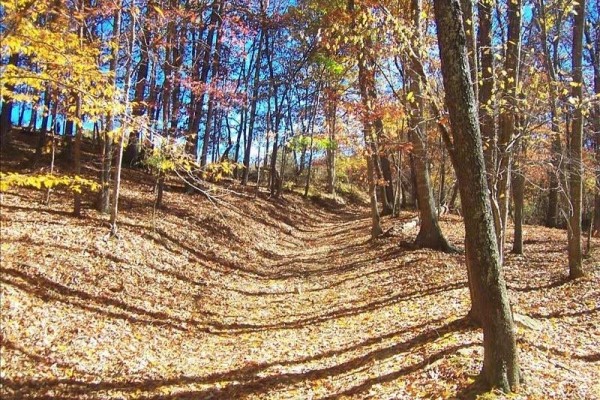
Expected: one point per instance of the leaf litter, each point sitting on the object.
(270, 299)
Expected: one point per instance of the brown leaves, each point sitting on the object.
(270, 300)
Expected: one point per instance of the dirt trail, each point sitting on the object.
(272, 301)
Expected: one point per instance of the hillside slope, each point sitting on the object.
(266, 299)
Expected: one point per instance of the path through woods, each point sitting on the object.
(266, 300)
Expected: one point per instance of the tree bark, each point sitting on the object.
(366, 83)
(331, 101)
(132, 151)
(104, 199)
(593, 46)
(124, 125)
(486, 87)
(216, 24)
(550, 63)
(508, 110)
(254, 101)
(469, 24)
(500, 364)
(430, 234)
(575, 147)
(518, 195)
(77, 158)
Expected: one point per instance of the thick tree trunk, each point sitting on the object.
(430, 235)
(500, 364)
(575, 147)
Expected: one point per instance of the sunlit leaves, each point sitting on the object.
(74, 184)
(52, 55)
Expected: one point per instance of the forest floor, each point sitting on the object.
(268, 299)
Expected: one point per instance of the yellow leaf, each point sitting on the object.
(158, 10)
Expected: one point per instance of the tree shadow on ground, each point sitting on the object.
(251, 379)
(551, 285)
(48, 289)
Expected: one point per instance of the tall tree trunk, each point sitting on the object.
(278, 115)
(132, 151)
(430, 235)
(331, 119)
(593, 46)
(124, 127)
(486, 88)
(469, 24)
(550, 62)
(487, 103)
(518, 192)
(311, 129)
(254, 101)
(206, 63)
(216, 23)
(575, 148)
(366, 82)
(77, 156)
(104, 200)
(500, 362)
(508, 112)
(178, 50)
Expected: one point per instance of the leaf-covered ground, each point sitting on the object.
(267, 299)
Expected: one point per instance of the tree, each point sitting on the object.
(107, 148)
(575, 146)
(486, 87)
(430, 235)
(500, 364)
(592, 34)
(368, 94)
(551, 64)
(125, 124)
(253, 105)
(508, 110)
